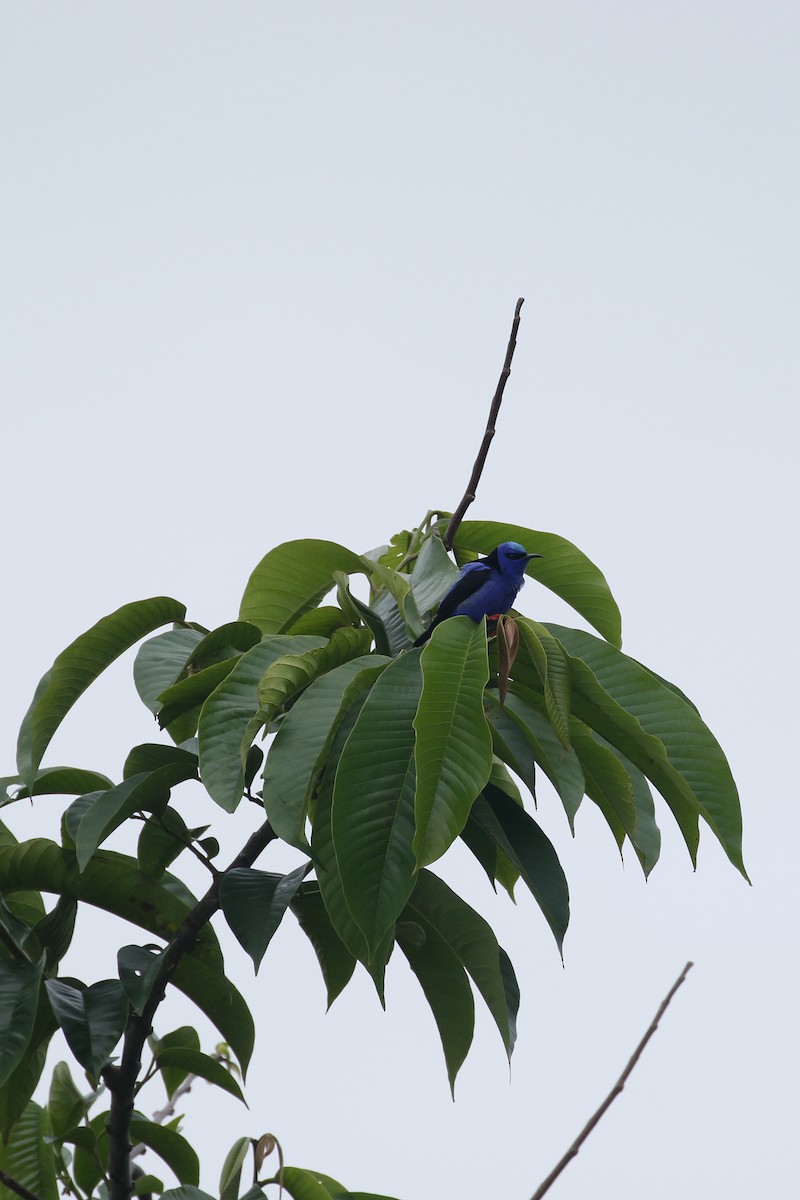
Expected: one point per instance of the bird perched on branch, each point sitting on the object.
(485, 588)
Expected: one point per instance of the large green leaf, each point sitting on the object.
(327, 866)
(232, 1169)
(444, 981)
(190, 693)
(530, 850)
(303, 741)
(194, 1062)
(335, 960)
(562, 568)
(145, 790)
(608, 784)
(27, 1157)
(509, 743)
(561, 767)
(114, 883)
(169, 1145)
(19, 990)
(160, 661)
(372, 818)
(454, 745)
(385, 580)
(254, 903)
(65, 1104)
(78, 666)
(21, 1083)
(92, 1019)
(229, 722)
(435, 905)
(434, 574)
(291, 579)
(291, 673)
(551, 663)
(63, 781)
(645, 835)
(660, 733)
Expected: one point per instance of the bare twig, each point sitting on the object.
(480, 461)
(615, 1091)
(121, 1079)
(13, 1186)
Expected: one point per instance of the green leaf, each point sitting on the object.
(160, 661)
(137, 967)
(335, 960)
(562, 568)
(531, 852)
(19, 990)
(113, 882)
(645, 835)
(78, 666)
(92, 1019)
(372, 816)
(561, 767)
(551, 664)
(304, 1185)
(303, 741)
(65, 1105)
(186, 1193)
(292, 673)
(146, 790)
(509, 743)
(357, 612)
(197, 1063)
(54, 931)
(291, 579)
(225, 642)
(385, 580)
(444, 982)
(229, 718)
(660, 733)
(190, 693)
(170, 1146)
(146, 1185)
(27, 1158)
(232, 1169)
(64, 781)
(433, 575)
(327, 867)
(162, 839)
(21, 1083)
(454, 745)
(608, 784)
(254, 903)
(435, 905)
(185, 1037)
(322, 622)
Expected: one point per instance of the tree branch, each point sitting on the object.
(615, 1091)
(480, 461)
(13, 1186)
(121, 1079)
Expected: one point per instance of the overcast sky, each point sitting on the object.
(258, 267)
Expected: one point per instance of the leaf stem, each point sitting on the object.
(615, 1091)
(489, 433)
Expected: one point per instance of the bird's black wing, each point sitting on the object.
(463, 587)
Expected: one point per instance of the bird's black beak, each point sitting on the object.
(530, 556)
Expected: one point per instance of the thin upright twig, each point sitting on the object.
(615, 1091)
(480, 461)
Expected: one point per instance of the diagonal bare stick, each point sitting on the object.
(477, 470)
(615, 1091)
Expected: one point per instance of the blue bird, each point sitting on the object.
(484, 588)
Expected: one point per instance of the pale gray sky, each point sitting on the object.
(258, 268)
